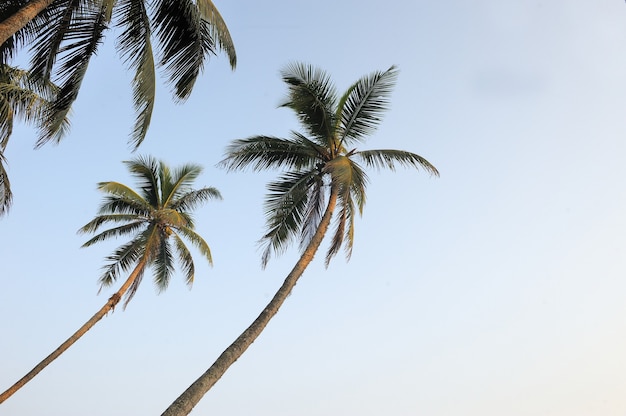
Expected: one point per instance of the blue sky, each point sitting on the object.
(494, 289)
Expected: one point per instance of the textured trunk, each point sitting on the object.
(110, 305)
(194, 393)
(10, 25)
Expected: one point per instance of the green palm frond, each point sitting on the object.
(122, 192)
(184, 259)
(314, 211)
(122, 259)
(286, 205)
(175, 184)
(361, 108)
(198, 242)
(135, 47)
(131, 223)
(218, 30)
(86, 36)
(163, 263)
(379, 159)
(192, 199)
(265, 152)
(313, 97)
(146, 171)
(185, 42)
(6, 196)
(345, 209)
(49, 34)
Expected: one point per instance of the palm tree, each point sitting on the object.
(323, 179)
(65, 34)
(158, 217)
(26, 98)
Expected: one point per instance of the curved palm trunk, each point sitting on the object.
(194, 393)
(110, 305)
(10, 25)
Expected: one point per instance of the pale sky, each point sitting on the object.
(497, 289)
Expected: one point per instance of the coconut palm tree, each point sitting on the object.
(324, 179)
(157, 217)
(65, 34)
(25, 98)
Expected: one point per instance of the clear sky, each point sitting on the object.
(497, 289)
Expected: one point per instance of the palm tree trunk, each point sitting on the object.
(10, 25)
(194, 393)
(110, 305)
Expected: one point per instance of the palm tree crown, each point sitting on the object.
(322, 157)
(157, 216)
(322, 176)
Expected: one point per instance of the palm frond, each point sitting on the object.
(197, 241)
(218, 30)
(49, 33)
(6, 196)
(177, 183)
(119, 191)
(185, 40)
(314, 210)
(24, 96)
(265, 152)
(312, 96)
(119, 231)
(191, 199)
(135, 48)
(379, 159)
(86, 36)
(345, 208)
(146, 171)
(286, 206)
(361, 108)
(122, 259)
(163, 263)
(185, 259)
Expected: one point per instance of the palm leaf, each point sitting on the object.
(135, 48)
(265, 152)
(362, 106)
(185, 42)
(312, 96)
(86, 36)
(163, 262)
(6, 196)
(218, 29)
(286, 205)
(197, 241)
(146, 171)
(178, 182)
(185, 259)
(379, 159)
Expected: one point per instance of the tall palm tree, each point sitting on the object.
(26, 98)
(65, 34)
(158, 217)
(323, 180)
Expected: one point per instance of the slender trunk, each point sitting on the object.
(110, 305)
(194, 393)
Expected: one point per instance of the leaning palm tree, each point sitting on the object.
(25, 98)
(157, 217)
(324, 179)
(65, 34)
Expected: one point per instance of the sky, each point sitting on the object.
(496, 289)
